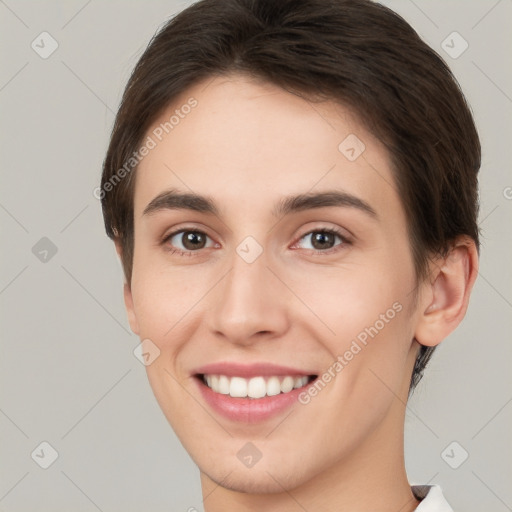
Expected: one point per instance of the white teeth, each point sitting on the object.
(287, 384)
(223, 385)
(256, 387)
(299, 382)
(273, 386)
(238, 387)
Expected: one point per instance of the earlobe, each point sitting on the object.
(128, 298)
(128, 302)
(119, 249)
(446, 296)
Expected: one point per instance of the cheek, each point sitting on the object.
(363, 319)
(349, 300)
(164, 296)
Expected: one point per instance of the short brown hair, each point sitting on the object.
(354, 52)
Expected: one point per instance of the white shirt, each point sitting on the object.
(432, 499)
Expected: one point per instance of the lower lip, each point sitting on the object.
(249, 410)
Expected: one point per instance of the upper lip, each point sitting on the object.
(249, 370)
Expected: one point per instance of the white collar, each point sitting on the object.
(432, 499)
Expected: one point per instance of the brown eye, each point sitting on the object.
(189, 240)
(321, 240)
(193, 240)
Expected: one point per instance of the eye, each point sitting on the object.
(321, 240)
(185, 241)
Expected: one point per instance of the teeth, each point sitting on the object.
(287, 384)
(223, 385)
(273, 386)
(256, 387)
(238, 387)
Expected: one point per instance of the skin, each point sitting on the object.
(246, 145)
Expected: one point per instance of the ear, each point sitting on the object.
(444, 298)
(127, 292)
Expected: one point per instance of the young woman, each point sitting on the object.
(292, 190)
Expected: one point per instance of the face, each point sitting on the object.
(280, 296)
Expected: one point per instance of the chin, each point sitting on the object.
(260, 479)
(249, 482)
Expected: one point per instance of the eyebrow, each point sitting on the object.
(174, 200)
(310, 200)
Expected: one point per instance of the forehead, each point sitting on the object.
(248, 142)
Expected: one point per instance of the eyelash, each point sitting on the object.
(333, 231)
(190, 253)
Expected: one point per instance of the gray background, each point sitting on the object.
(68, 373)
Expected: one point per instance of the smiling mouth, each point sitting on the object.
(254, 387)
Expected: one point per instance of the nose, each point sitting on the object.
(249, 304)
